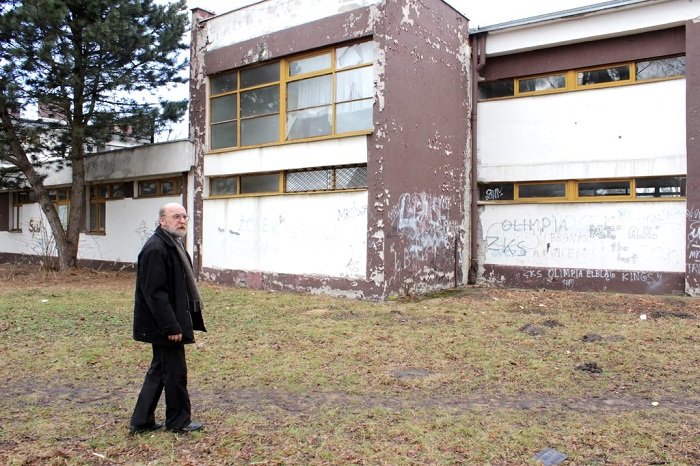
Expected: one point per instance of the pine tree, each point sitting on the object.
(91, 64)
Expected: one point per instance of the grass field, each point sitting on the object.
(477, 376)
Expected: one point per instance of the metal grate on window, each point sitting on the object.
(326, 179)
(351, 177)
(310, 180)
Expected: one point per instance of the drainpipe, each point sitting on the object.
(478, 46)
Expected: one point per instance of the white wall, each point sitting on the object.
(310, 234)
(341, 151)
(129, 223)
(648, 236)
(624, 131)
(273, 15)
(613, 22)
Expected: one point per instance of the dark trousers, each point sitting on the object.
(168, 371)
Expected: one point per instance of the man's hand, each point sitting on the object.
(175, 338)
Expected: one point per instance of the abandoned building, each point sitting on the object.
(377, 148)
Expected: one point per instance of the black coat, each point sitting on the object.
(161, 305)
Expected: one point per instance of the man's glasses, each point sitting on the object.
(178, 217)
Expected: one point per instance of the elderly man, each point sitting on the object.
(167, 310)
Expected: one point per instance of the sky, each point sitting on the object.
(480, 13)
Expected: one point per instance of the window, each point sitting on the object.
(61, 199)
(658, 69)
(291, 181)
(657, 187)
(542, 83)
(162, 187)
(19, 198)
(542, 190)
(319, 95)
(587, 78)
(99, 195)
(604, 188)
(603, 75)
(634, 189)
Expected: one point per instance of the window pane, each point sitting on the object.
(223, 135)
(542, 83)
(309, 180)
(605, 75)
(604, 188)
(309, 64)
(63, 211)
(353, 55)
(496, 192)
(662, 68)
(93, 216)
(351, 177)
(223, 83)
(167, 187)
(148, 188)
(223, 108)
(103, 191)
(260, 75)
(118, 190)
(354, 116)
(309, 93)
(495, 89)
(542, 190)
(260, 183)
(354, 84)
(309, 123)
(667, 186)
(103, 216)
(260, 101)
(260, 130)
(223, 186)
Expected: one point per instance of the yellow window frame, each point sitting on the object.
(284, 80)
(571, 79)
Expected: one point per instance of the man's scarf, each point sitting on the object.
(192, 289)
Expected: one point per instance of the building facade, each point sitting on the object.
(378, 148)
(595, 185)
(333, 143)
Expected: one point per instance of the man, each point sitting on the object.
(167, 310)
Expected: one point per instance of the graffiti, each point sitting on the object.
(603, 231)
(423, 222)
(493, 194)
(35, 226)
(347, 213)
(569, 276)
(694, 235)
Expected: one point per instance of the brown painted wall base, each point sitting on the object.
(360, 289)
(622, 281)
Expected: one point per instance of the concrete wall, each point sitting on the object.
(603, 133)
(129, 221)
(616, 132)
(314, 234)
(407, 231)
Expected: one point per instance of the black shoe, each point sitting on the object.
(191, 427)
(145, 428)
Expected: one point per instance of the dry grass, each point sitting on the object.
(472, 376)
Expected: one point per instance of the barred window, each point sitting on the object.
(294, 181)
